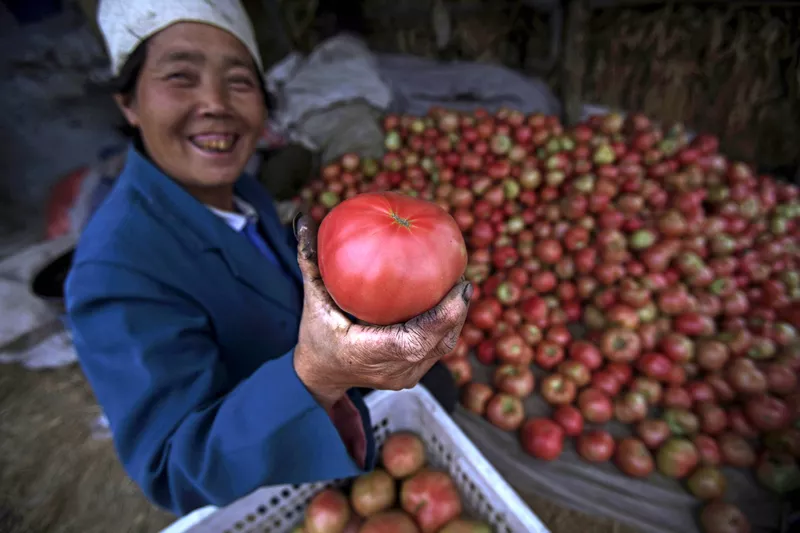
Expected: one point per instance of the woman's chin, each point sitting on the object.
(217, 170)
(223, 177)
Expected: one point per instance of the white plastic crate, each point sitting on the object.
(485, 494)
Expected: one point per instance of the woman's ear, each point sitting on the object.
(127, 106)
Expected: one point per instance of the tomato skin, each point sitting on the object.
(542, 438)
(328, 510)
(403, 454)
(595, 406)
(408, 260)
(372, 493)
(483, 314)
(653, 433)
(392, 521)
(620, 345)
(677, 458)
(633, 458)
(595, 446)
(431, 498)
(721, 517)
(707, 450)
(570, 419)
(587, 353)
(475, 396)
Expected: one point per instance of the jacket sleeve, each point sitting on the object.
(184, 431)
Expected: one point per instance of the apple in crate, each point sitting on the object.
(328, 511)
(389, 522)
(403, 454)
(373, 493)
(431, 498)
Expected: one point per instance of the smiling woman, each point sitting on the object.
(199, 106)
(201, 323)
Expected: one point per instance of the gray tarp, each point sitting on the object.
(331, 100)
(418, 84)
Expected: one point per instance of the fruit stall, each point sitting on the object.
(631, 348)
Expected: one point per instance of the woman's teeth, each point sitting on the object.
(214, 143)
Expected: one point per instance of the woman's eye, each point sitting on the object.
(179, 76)
(242, 81)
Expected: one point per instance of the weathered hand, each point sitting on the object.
(334, 354)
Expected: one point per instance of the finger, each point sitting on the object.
(317, 299)
(448, 315)
(305, 230)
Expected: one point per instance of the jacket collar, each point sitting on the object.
(245, 214)
(200, 229)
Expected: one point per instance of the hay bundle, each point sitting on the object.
(728, 70)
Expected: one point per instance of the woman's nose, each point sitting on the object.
(213, 98)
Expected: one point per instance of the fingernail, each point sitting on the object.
(467, 292)
(295, 220)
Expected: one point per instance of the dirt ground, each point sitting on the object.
(55, 478)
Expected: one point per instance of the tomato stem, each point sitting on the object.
(402, 221)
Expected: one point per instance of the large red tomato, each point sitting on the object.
(387, 257)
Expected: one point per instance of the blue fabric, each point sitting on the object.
(252, 233)
(186, 335)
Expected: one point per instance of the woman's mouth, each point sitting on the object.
(215, 143)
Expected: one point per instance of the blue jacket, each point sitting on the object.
(186, 334)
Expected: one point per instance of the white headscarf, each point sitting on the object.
(126, 23)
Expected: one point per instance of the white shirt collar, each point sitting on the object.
(238, 219)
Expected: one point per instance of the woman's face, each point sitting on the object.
(198, 105)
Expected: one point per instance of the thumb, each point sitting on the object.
(316, 295)
(447, 316)
(305, 231)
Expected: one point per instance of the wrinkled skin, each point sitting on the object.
(334, 354)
